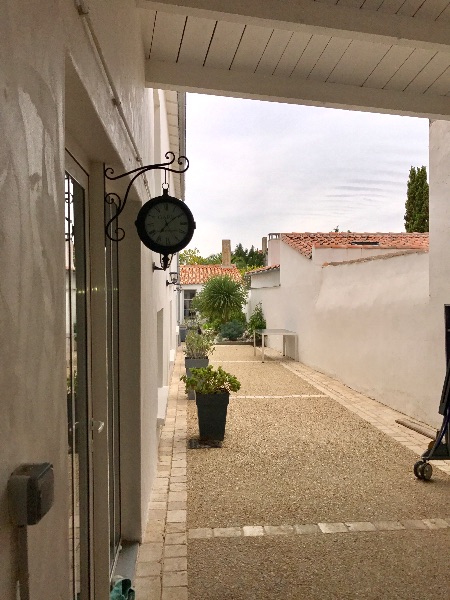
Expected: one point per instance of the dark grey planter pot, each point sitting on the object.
(212, 415)
(183, 329)
(194, 363)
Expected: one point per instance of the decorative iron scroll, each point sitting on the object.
(116, 200)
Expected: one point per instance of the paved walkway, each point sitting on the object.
(302, 534)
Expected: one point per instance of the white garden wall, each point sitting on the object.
(367, 323)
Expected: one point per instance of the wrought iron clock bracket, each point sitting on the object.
(116, 200)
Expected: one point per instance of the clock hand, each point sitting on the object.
(170, 221)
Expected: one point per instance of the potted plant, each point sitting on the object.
(212, 389)
(197, 350)
(182, 330)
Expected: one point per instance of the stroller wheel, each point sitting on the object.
(417, 473)
(427, 471)
(423, 470)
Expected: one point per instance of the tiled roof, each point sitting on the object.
(304, 242)
(263, 270)
(199, 274)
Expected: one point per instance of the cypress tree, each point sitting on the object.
(417, 201)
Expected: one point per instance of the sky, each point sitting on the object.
(264, 167)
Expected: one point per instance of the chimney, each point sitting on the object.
(264, 250)
(226, 253)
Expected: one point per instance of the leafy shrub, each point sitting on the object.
(199, 345)
(257, 320)
(208, 380)
(221, 300)
(232, 330)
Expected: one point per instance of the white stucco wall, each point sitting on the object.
(372, 323)
(369, 324)
(266, 279)
(33, 281)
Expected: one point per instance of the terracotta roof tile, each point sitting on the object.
(199, 274)
(304, 242)
(264, 270)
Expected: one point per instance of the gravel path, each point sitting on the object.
(293, 461)
(288, 461)
(382, 566)
(266, 379)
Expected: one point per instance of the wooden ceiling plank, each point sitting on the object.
(148, 25)
(441, 86)
(239, 84)
(223, 46)
(292, 54)
(358, 62)
(308, 16)
(444, 17)
(167, 36)
(328, 60)
(311, 55)
(409, 8)
(273, 51)
(196, 40)
(388, 66)
(350, 3)
(431, 9)
(436, 68)
(372, 4)
(391, 6)
(251, 48)
(409, 70)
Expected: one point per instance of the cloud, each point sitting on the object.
(259, 167)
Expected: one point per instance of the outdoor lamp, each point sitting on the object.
(173, 278)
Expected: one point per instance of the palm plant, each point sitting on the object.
(221, 300)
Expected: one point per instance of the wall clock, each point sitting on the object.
(165, 224)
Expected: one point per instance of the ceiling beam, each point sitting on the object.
(316, 17)
(204, 80)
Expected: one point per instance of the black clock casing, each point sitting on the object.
(165, 224)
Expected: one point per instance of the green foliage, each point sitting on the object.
(221, 300)
(191, 257)
(208, 380)
(257, 320)
(417, 201)
(193, 323)
(199, 345)
(246, 260)
(214, 259)
(232, 330)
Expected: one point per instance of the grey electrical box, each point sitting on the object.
(31, 492)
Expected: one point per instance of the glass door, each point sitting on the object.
(77, 369)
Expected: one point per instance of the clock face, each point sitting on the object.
(165, 224)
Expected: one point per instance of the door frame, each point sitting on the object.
(85, 478)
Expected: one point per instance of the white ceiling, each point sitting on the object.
(388, 56)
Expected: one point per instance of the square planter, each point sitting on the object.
(183, 330)
(212, 415)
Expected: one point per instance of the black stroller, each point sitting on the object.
(438, 449)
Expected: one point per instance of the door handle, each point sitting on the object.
(98, 425)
